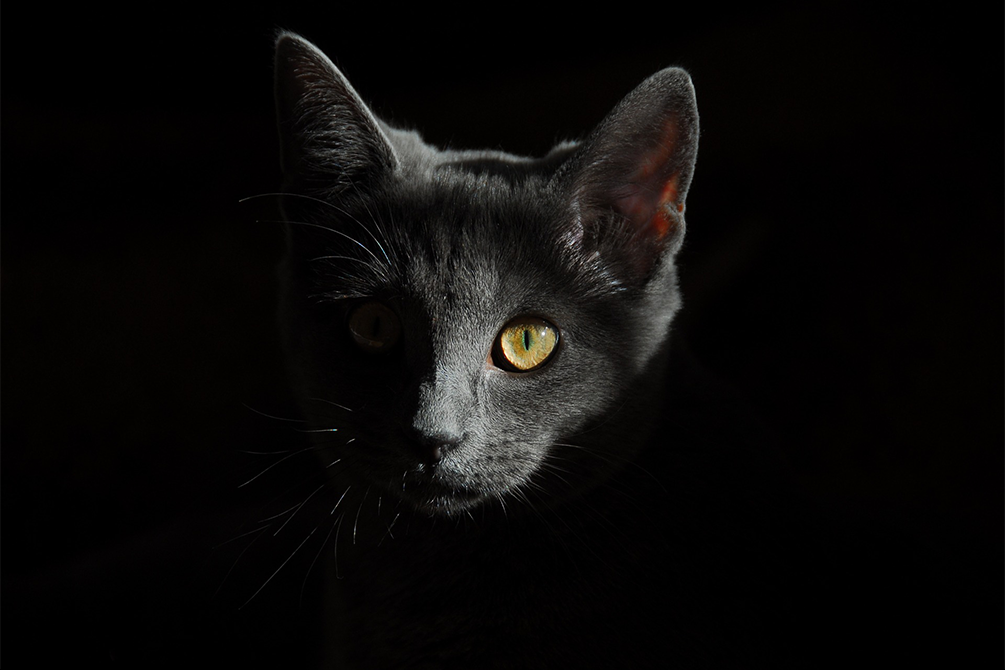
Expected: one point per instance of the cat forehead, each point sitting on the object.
(476, 239)
(473, 206)
(476, 243)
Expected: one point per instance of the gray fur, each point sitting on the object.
(460, 242)
(560, 509)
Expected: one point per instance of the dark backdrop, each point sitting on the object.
(843, 269)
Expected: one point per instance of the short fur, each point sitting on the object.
(588, 513)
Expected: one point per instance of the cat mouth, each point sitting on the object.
(435, 496)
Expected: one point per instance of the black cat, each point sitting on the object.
(522, 471)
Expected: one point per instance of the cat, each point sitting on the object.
(533, 472)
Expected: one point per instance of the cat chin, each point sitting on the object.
(438, 500)
(449, 505)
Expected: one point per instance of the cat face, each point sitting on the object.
(456, 322)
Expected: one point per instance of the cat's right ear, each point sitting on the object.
(329, 138)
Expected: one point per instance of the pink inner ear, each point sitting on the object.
(652, 204)
(664, 219)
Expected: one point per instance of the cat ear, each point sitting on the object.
(329, 138)
(637, 166)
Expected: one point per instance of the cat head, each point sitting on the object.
(461, 322)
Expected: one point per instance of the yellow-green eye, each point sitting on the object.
(374, 327)
(524, 344)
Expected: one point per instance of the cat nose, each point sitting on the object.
(431, 448)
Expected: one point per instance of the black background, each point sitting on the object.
(843, 268)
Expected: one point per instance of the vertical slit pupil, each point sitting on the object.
(375, 327)
(528, 339)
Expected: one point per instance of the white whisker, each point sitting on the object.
(340, 500)
(332, 205)
(260, 531)
(284, 458)
(338, 529)
(356, 522)
(270, 416)
(325, 400)
(298, 508)
(316, 557)
(278, 569)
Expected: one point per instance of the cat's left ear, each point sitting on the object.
(633, 172)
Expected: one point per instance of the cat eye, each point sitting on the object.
(374, 327)
(524, 344)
